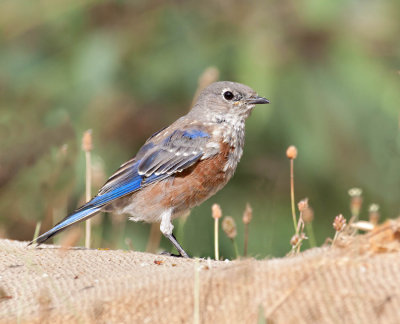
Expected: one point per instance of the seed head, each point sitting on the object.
(303, 205)
(294, 240)
(374, 214)
(216, 211)
(339, 223)
(87, 144)
(248, 214)
(308, 215)
(229, 227)
(356, 201)
(291, 152)
(355, 192)
(373, 208)
(297, 238)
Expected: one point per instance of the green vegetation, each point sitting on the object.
(128, 68)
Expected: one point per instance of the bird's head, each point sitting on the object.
(226, 99)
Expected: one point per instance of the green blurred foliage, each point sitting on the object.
(127, 68)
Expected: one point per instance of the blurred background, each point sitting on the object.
(125, 69)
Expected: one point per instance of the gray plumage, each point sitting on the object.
(180, 166)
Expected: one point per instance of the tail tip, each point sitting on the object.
(39, 240)
(33, 242)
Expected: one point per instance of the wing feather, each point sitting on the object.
(158, 159)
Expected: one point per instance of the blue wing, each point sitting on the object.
(158, 159)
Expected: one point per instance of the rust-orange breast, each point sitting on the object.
(194, 185)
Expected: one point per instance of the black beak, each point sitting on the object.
(257, 100)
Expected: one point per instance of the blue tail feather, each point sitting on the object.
(126, 181)
(78, 216)
(120, 188)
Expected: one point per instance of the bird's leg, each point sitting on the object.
(173, 240)
(166, 228)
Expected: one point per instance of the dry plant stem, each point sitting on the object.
(246, 218)
(246, 239)
(353, 219)
(37, 230)
(339, 224)
(356, 201)
(299, 246)
(300, 233)
(335, 238)
(216, 239)
(292, 195)
(88, 225)
(300, 224)
(236, 248)
(310, 234)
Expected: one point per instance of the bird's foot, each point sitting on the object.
(174, 255)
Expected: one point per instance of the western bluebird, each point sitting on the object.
(180, 166)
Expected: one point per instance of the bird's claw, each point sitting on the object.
(171, 254)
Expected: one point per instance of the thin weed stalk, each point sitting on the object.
(216, 214)
(88, 227)
(291, 154)
(87, 147)
(229, 227)
(339, 224)
(292, 194)
(373, 213)
(246, 239)
(235, 246)
(356, 201)
(247, 216)
(307, 216)
(297, 239)
(216, 239)
(37, 230)
(300, 233)
(311, 235)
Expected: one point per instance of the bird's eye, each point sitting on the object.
(228, 95)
